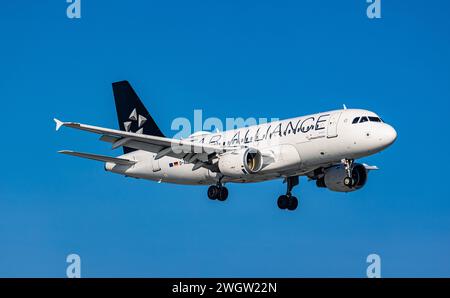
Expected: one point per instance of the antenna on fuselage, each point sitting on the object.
(345, 107)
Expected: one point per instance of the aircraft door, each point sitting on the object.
(155, 165)
(332, 131)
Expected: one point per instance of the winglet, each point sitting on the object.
(65, 151)
(370, 168)
(58, 123)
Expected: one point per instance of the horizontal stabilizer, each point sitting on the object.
(119, 161)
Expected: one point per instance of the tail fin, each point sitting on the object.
(131, 112)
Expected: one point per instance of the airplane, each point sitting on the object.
(323, 147)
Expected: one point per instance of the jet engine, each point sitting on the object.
(240, 163)
(333, 178)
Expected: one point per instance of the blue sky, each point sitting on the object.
(230, 59)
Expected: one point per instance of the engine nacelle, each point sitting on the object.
(334, 178)
(241, 163)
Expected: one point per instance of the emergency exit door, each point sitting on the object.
(155, 165)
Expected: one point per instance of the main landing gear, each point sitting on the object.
(288, 201)
(218, 192)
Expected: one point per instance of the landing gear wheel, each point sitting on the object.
(292, 203)
(217, 192)
(348, 181)
(213, 192)
(222, 194)
(288, 201)
(283, 202)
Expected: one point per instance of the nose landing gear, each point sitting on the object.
(288, 201)
(348, 181)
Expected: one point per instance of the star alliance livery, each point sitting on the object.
(322, 147)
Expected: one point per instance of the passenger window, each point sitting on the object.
(363, 119)
(355, 120)
(374, 119)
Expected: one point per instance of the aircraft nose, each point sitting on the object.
(388, 135)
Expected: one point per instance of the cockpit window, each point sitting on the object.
(366, 119)
(374, 119)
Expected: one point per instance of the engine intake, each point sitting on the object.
(241, 163)
(334, 178)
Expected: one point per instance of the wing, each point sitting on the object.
(192, 152)
(316, 173)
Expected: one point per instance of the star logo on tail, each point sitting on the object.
(135, 117)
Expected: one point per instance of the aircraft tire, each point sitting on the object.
(348, 181)
(222, 194)
(292, 203)
(213, 192)
(283, 202)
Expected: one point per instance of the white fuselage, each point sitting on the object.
(294, 146)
